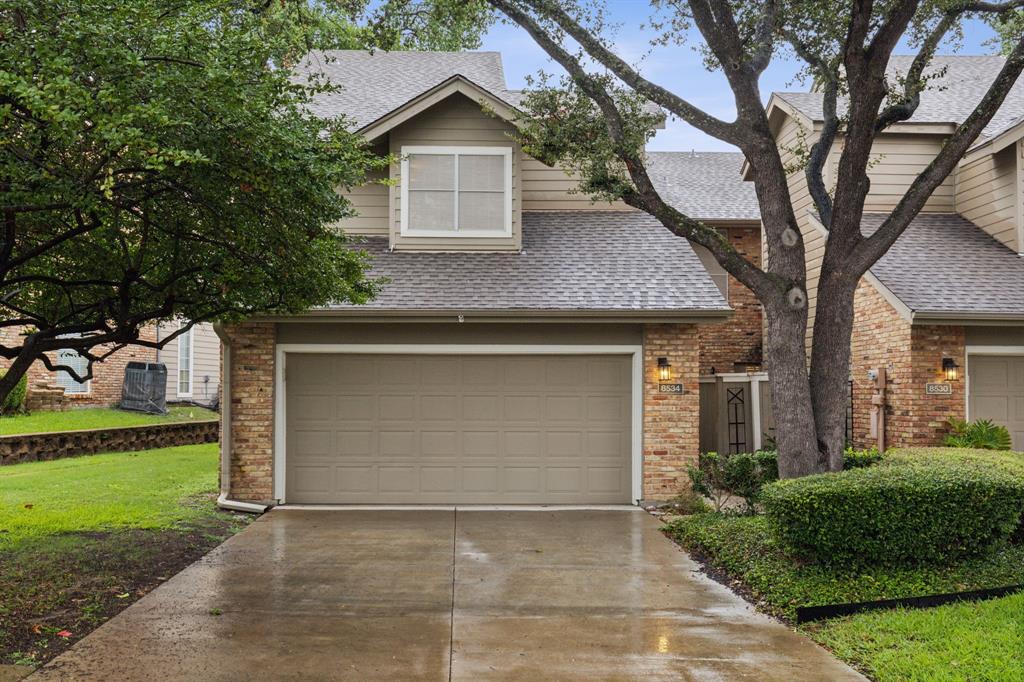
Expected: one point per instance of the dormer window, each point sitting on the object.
(456, 191)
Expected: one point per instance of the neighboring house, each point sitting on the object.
(192, 360)
(59, 390)
(518, 351)
(193, 363)
(943, 311)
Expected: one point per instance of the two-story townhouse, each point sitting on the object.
(943, 312)
(529, 345)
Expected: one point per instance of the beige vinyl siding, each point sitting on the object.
(897, 159)
(205, 362)
(458, 122)
(547, 188)
(986, 194)
(370, 201)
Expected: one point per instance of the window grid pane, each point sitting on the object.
(185, 362)
(478, 204)
(72, 359)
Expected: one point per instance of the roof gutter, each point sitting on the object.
(224, 501)
(357, 314)
(955, 317)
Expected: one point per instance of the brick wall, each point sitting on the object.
(912, 357)
(105, 387)
(252, 411)
(737, 340)
(670, 422)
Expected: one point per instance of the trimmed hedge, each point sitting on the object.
(925, 512)
(15, 400)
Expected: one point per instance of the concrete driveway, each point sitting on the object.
(445, 595)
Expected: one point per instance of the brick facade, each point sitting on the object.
(252, 411)
(736, 343)
(104, 388)
(671, 422)
(912, 357)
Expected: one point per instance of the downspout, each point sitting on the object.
(224, 501)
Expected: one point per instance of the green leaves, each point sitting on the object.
(900, 512)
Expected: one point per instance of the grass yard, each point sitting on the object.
(97, 418)
(971, 641)
(82, 538)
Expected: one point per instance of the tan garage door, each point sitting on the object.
(997, 392)
(415, 429)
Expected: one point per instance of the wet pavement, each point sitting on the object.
(445, 595)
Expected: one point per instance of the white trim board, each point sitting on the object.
(637, 382)
(981, 350)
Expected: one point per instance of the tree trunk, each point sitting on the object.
(830, 366)
(14, 373)
(786, 359)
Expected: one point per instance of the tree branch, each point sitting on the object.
(932, 176)
(727, 132)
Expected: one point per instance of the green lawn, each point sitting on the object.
(101, 492)
(82, 538)
(97, 418)
(970, 641)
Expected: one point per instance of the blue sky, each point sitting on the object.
(677, 68)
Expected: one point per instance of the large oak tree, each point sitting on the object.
(594, 121)
(157, 162)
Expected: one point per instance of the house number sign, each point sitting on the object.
(670, 388)
(938, 389)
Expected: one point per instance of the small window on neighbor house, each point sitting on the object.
(185, 364)
(718, 274)
(456, 191)
(77, 362)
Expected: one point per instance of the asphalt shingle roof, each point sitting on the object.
(944, 263)
(704, 185)
(372, 84)
(579, 261)
(949, 98)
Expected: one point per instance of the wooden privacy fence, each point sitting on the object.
(736, 412)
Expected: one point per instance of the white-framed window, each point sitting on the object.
(185, 355)
(77, 362)
(456, 191)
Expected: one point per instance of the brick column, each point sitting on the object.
(670, 422)
(252, 411)
(912, 357)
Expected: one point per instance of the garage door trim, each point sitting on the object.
(636, 382)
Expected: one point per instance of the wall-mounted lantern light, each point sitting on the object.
(950, 369)
(664, 370)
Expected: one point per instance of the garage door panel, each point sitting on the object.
(352, 408)
(997, 392)
(565, 443)
(458, 429)
(522, 408)
(481, 443)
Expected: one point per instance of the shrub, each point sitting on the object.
(896, 514)
(858, 459)
(15, 400)
(721, 476)
(981, 434)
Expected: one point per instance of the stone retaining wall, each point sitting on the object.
(34, 447)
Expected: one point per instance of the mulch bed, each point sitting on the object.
(58, 589)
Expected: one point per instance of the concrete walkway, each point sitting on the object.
(445, 595)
